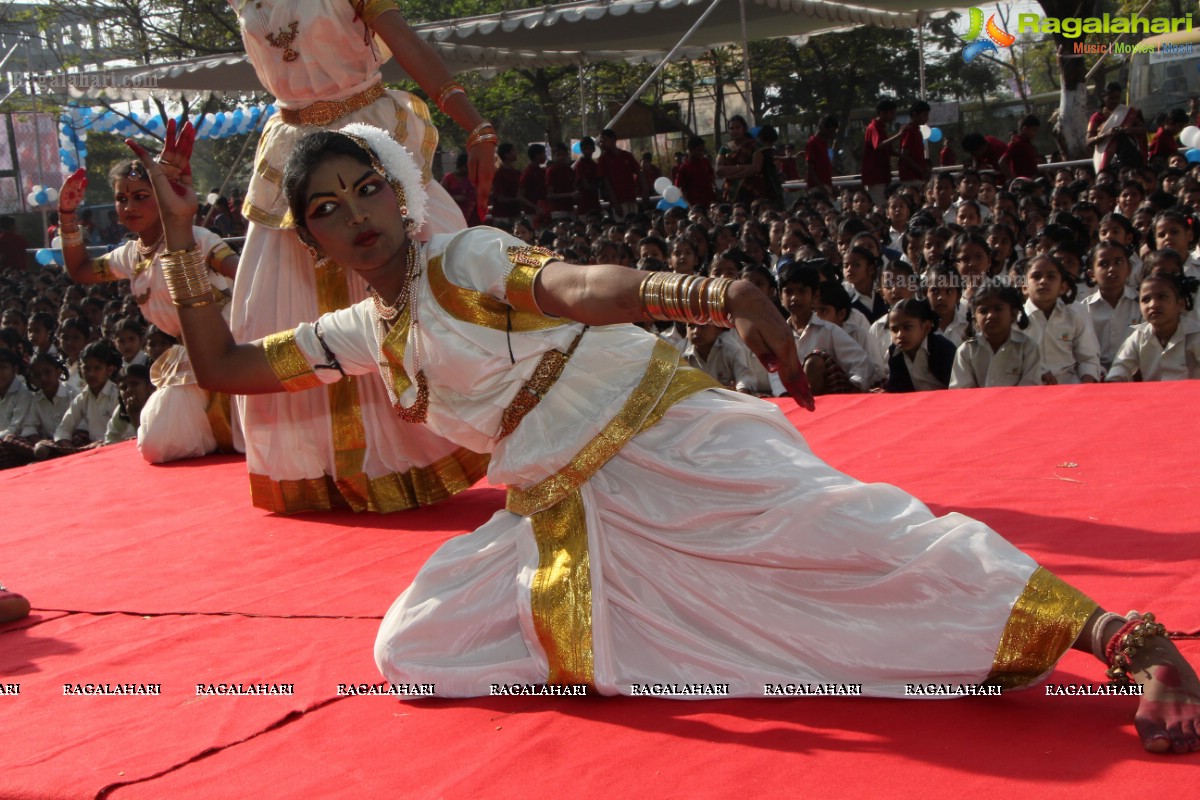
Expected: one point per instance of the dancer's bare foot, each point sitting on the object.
(1168, 719)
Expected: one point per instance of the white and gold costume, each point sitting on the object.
(659, 529)
(343, 446)
(179, 420)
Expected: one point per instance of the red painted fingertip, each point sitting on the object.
(179, 188)
(138, 150)
(801, 392)
(170, 141)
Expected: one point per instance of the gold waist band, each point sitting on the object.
(327, 112)
(664, 383)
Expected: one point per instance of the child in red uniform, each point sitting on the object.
(696, 177)
(816, 155)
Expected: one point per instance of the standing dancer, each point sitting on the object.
(322, 59)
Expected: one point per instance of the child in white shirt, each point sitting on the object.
(1166, 347)
(1070, 352)
(833, 361)
(86, 421)
(1113, 308)
(998, 354)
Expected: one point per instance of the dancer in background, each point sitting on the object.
(182, 420)
(322, 60)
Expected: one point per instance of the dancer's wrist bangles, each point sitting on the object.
(187, 277)
(693, 299)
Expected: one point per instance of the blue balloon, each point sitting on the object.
(1193, 155)
(935, 134)
(681, 203)
(45, 257)
(576, 148)
(42, 197)
(59, 258)
(663, 205)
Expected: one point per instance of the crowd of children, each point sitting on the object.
(74, 366)
(962, 281)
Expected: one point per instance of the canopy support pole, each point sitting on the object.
(747, 90)
(662, 64)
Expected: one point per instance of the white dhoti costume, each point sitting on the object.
(659, 530)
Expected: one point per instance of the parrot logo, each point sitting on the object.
(995, 36)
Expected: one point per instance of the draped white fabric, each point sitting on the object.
(723, 551)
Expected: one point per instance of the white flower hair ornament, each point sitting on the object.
(393, 160)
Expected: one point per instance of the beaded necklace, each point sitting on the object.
(386, 314)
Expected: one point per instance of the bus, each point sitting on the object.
(1164, 72)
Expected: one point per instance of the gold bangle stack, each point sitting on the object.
(484, 132)
(693, 299)
(71, 238)
(446, 92)
(187, 278)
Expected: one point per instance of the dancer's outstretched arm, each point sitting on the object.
(596, 295)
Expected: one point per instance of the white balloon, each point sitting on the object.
(661, 184)
(925, 131)
(31, 199)
(52, 193)
(672, 194)
(37, 187)
(1186, 136)
(212, 198)
(56, 243)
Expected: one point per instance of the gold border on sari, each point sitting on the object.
(345, 412)
(220, 414)
(1045, 621)
(262, 217)
(369, 10)
(478, 308)
(663, 384)
(218, 254)
(396, 491)
(561, 591)
(289, 363)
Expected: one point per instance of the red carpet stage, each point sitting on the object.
(167, 575)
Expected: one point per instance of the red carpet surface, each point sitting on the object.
(166, 575)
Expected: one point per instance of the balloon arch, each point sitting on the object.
(75, 124)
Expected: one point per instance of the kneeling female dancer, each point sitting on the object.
(658, 528)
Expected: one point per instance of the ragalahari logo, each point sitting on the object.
(996, 37)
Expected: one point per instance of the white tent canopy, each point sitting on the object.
(582, 32)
